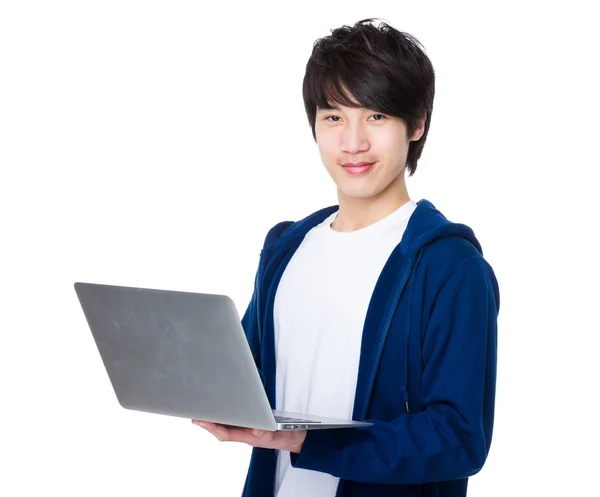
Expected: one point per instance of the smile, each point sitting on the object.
(358, 170)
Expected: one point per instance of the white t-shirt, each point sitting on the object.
(319, 313)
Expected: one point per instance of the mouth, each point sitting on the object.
(358, 169)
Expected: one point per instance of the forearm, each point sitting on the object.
(414, 448)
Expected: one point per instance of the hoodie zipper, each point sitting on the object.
(387, 329)
(256, 287)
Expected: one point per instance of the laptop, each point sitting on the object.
(184, 354)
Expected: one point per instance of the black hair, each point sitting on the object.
(384, 69)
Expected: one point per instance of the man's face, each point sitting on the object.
(358, 135)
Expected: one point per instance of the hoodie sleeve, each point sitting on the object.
(249, 319)
(247, 325)
(450, 437)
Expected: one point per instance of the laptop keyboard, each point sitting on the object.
(283, 419)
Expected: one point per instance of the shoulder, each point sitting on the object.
(448, 258)
(450, 251)
(294, 229)
(276, 231)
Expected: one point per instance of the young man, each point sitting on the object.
(378, 309)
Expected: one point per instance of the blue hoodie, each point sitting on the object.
(427, 371)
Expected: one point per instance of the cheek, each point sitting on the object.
(328, 143)
(328, 155)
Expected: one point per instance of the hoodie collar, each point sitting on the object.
(425, 225)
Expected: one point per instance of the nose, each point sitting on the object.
(354, 139)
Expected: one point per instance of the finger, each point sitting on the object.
(204, 424)
(245, 435)
(222, 433)
(234, 434)
(217, 430)
(264, 437)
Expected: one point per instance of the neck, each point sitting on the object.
(356, 213)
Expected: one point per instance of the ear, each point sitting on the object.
(418, 133)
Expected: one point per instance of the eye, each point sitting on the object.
(336, 119)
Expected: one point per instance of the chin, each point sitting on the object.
(357, 194)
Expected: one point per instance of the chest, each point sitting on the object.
(324, 293)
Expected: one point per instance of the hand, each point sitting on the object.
(291, 441)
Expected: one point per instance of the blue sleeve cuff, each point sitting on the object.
(322, 451)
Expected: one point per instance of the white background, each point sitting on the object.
(154, 143)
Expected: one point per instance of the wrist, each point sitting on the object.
(298, 442)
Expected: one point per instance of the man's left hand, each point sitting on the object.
(282, 440)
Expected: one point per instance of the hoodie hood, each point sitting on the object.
(425, 226)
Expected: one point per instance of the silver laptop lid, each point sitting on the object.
(176, 353)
